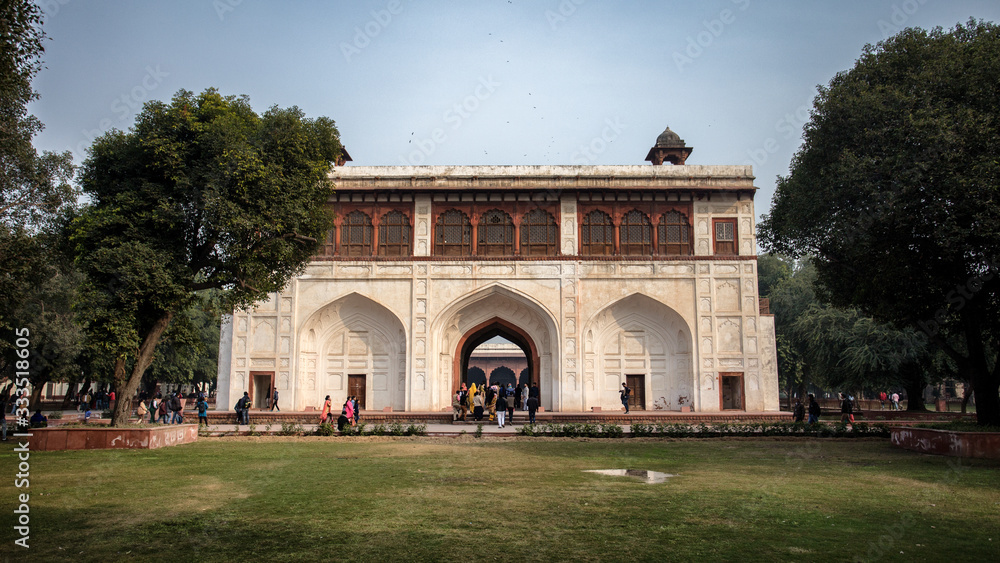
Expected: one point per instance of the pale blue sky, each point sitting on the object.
(480, 82)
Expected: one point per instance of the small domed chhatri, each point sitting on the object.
(670, 148)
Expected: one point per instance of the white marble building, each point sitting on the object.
(601, 274)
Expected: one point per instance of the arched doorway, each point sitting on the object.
(491, 329)
(503, 376)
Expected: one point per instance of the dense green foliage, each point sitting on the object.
(34, 189)
(201, 193)
(895, 194)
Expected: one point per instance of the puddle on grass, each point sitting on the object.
(643, 475)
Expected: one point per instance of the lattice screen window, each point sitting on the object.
(496, 234)
(539, 234)
(597, 234)
(453, 234)
(725, 236)
(674, 234)
(636, 234)
(356, 234)
(394, 234)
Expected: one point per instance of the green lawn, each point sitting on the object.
(462, 499)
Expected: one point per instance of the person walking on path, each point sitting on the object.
(895, 401)
(274, 400)
(881, 400)
(243, 409)
(161, 412)
(532, 408)
(501, 409)
(511, 402)
(814, 410)
(799, 412)
(324, 415)
(477, 406)
(348, 410)
(525, 393)
(202, 405)
(141, 410)
(846, 409)
(518, 399)
(625, 392)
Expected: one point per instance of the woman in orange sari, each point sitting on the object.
(325, 415)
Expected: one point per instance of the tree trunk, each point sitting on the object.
(967, 391)
(915, 394)
(144, 357)
(68, 397)
(35, 402)
(987, 398)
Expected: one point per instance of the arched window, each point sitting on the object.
(496, 234)
(597, 235)
(539, 234)
(356, 234)
(394, 234)
(636, 234)
(673, 234)
(453, 234)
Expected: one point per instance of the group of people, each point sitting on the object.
(170, 409)
(350, 412)
(847, 408)
(883, 397)
(100, 400)
(799, 412)
(497, 401)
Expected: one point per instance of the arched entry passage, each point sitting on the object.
(487, 330)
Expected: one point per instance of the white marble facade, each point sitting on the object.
(678, 322)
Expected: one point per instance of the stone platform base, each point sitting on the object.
(97, 437)
(945, 442)
(260, 418)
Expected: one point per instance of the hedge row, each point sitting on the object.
(702, 430)
(393, 429)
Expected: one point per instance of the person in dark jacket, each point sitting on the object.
(814, 410)
(501, 409)
(799, 412)
(532, 408)
(846, 409)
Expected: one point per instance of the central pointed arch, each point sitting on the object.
(495, 310)
(487, 330)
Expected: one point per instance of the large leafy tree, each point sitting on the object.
(34, 188)
(202, 193)
(895, 194)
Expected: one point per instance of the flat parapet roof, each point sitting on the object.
(719, 177)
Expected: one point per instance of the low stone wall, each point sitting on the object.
(98, 437)
(945, 442)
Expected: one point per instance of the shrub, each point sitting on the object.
(326, 429)
(290, 429)
(358, 430)
(416, 429)
(479, 431)
(611, 431)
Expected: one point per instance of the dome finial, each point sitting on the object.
(669, 147)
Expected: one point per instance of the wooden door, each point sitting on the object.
(732, 397)
(356, 387)
(637, 383)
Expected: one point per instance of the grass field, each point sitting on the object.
(507, 499)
